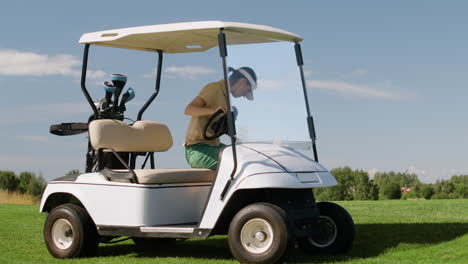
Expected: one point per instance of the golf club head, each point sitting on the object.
(132, 94)
(126, 97)
(110, 89)
(119, 81)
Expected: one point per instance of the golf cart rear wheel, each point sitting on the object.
(69, 232)
(336, 231)
(258, 234)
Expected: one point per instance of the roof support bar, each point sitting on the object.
(230, 115)
(133, 156)
(310, 119)
(156, 88)
(83, 81)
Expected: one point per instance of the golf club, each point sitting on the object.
(126, 97)
(119, 81)
(110, 89)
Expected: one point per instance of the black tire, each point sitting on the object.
(258, 234)
(69, 232)
(337, 231)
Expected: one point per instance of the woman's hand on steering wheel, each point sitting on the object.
(216, 124)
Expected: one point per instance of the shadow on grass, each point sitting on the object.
(213, 248)
(374, 239)
(371, 240)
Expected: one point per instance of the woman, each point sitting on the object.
(200, 152)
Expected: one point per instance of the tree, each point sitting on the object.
(427, 192)
(461, 190)
(391, 191)
(8, 181)
(365, 189)
(37, 186)
(24, 180)
(72, 172)
(352, 185)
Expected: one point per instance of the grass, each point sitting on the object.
(7, 197)
(424, 231)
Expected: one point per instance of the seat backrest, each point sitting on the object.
(142, 136)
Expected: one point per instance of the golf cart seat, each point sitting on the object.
(142, 136)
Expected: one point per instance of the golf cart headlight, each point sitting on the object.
(308, 177)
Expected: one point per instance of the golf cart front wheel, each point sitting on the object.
(69, 232)
(258, 234)
(336, 231)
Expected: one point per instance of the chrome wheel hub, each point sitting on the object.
(257, 236)
(62, 234)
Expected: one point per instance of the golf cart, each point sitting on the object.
(260, 195)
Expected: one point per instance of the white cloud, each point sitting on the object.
(95, 74)
(356, 73)
(271, 84)
(189, 72)
(372, 172)
(40, 139)
(354, 90)
(38, 113)
(23, 63)
(419, 172)
(308, 73)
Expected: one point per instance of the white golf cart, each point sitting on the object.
(260, 196)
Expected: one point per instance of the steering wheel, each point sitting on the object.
(216, 123)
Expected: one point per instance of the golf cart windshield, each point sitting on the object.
(277, 114)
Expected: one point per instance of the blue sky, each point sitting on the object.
(387, 80)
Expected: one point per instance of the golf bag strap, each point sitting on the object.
(68, 129)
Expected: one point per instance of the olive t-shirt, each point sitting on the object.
(214, 95)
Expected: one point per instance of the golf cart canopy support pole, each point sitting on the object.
(230, 115)
(156, 88)
(310, 119)
(83, 80)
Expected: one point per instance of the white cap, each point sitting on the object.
(253, 84)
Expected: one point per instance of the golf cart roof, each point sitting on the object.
(186, 37)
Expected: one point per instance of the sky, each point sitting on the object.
(387, 80)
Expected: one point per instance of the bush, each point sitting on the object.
(24, 180)
(410, 195)
(36, 186)
(26, 183)
(427, 192)
(391, 191)
(8, 181)
(461, 190)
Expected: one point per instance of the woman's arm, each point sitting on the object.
(198, 108)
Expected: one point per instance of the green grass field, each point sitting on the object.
(432, 231)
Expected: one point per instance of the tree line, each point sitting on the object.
(24, 183)
(357, 185)
(352, 185)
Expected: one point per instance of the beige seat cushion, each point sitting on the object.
(166, 176)
(143, 136)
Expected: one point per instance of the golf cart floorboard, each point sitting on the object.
(172, 231)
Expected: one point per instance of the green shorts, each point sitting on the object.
(202, 155)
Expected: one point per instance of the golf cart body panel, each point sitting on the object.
(143, 205)
(265, 173)
(138, 204)
(185, 37)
